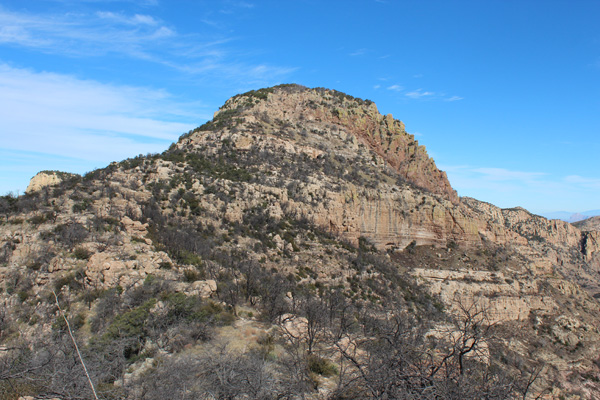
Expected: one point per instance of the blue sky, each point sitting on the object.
(504, 94)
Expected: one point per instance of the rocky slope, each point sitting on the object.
(289, 197)
(589, 224)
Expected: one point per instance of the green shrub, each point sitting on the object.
(69, 280)
(82, 253)
(452, 245)
(189, 258)
(365, 245)
(165, 265)
(13, 389)
(321, 366)
(34, 265)
(77, 321)
(191, 275)
(59, 325)
(131, 323)
(194, 309)
(90, 295)
(81, 206)
(23, 296)
(266, 343)
(137, 239)
(38, 219)
(149, 280)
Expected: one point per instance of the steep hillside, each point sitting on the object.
(298, 244)
(589, 224)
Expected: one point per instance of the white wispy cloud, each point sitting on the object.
(139, 36)
(77, 34)
(536, 191)
(502, 174)
(395, 88)
(143, 3)
(244, 4)
(85, 119)
(136, 19)
(592, 183)
(359, 52)
(231, 6)
(419, 93)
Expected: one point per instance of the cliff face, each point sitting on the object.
(301, 182)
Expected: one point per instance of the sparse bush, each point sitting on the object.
(365, 245)
(90, 295)
(38, 219)
(81, 253)
(8, 204)
(165, 265)
(108, 305)
(71, 233)
(5, 252)
(81, 206)
(452, 245)
(23, 296)
(131, 323)
(73, 281)
(191, 275)
(321, 366)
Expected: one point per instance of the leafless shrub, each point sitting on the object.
(217, 374)
(71, 233)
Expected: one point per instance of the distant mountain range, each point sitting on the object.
(571, 216)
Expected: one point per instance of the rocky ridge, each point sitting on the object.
(589, 224)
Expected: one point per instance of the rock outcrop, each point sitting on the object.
(47, 178)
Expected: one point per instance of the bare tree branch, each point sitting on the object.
(76, 347)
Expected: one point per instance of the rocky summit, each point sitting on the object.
(300, 245)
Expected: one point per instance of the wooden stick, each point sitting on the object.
(76, 347)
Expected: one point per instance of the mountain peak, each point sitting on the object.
(329, 121)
